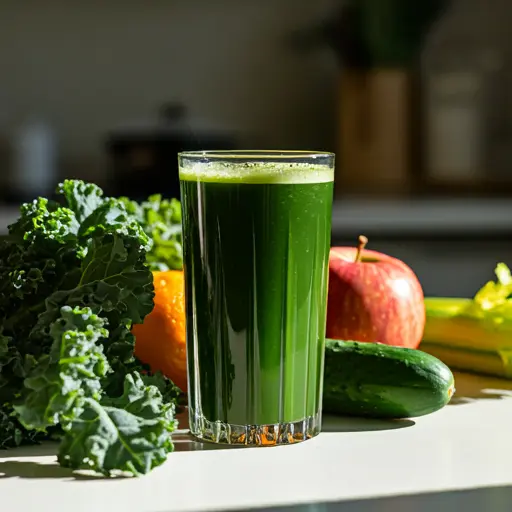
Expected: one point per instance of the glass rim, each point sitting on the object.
(256, 154)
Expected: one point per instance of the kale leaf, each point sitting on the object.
(82, 198)
(161, 221)
(130, 433)
(56, 385)
(45, 222)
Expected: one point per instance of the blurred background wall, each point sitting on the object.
(89, 66)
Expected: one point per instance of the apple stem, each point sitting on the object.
(362, 241)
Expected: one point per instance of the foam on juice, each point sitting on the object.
(256, 172)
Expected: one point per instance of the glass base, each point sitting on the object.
(255, 435)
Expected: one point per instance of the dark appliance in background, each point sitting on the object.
(143, 157)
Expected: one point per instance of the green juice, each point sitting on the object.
(256, 245)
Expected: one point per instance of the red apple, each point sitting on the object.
(373, 297)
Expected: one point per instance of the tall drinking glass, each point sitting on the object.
(256, 238)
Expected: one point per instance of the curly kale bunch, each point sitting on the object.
(75, 274)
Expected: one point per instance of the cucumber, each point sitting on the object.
(380, 381)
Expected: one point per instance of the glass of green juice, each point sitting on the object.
(256, 238)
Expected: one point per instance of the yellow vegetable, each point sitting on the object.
(473, 334)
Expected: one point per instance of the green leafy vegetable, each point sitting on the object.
(75, 274)
(82, 198)
(161, 221)
(493, 302)
(56, 385)
(132, 434)
(14, 434)
(45, 222)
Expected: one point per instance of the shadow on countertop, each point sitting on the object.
(30, 469)
(470, 387)
(16, 463)
(353, 424)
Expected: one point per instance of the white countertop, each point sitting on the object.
(365, 466)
